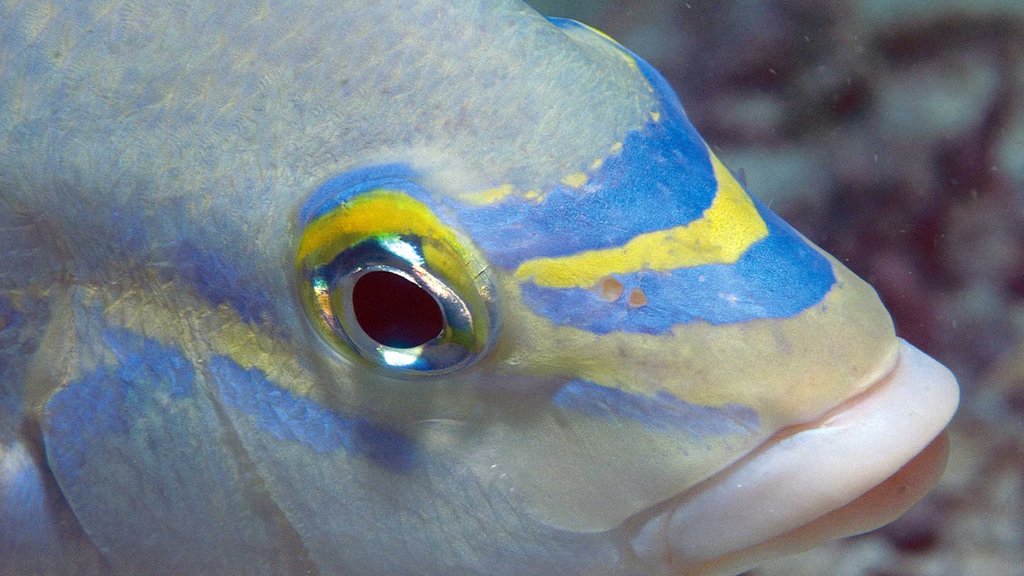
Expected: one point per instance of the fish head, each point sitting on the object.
(637, 347)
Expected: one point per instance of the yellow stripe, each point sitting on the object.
(726, 230)
(371, 214)
(173, 315)
(489, 196)
(575, 180)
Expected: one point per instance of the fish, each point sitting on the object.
(413, 287)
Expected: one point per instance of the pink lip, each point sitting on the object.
(855, 468)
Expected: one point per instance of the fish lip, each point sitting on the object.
(803, 471)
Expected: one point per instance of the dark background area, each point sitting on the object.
(892, 135)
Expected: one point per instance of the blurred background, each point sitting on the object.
(892, 134)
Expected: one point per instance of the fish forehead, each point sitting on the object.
(218, 121)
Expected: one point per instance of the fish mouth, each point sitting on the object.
(857, 467)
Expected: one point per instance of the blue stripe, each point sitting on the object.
(219, 281)
(661, 179)
(661, 412)
(298, 419)
(780, 276)
(144, 360)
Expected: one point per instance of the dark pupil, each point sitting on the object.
(394, 311)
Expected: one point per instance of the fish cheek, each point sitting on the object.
(578, 468)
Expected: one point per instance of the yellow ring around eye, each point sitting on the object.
(371, 214)
(386, 230)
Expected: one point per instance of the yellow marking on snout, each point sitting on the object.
(489, 196)
(726, 230)
(575, 180)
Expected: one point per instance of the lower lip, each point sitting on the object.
(876, 507)
(848, 472)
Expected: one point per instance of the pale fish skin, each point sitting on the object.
(638, 370)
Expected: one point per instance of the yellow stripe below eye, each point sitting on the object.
(724, 232)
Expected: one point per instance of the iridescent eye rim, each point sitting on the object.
(334, 256)
(334, 285)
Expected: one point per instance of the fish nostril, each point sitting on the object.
(395, 311)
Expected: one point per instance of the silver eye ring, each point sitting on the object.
(381, 299)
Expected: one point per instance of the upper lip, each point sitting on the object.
(808, 470)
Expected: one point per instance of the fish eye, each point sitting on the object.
(385, 281)
(394, 310)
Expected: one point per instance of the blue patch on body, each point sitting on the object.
(781, 275)
(145, 458)
(661, 412)
(24, 511)
(294, 418)
(109, 399)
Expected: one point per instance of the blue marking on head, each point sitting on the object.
(110, 398)
(661, 412)
(662, 178)
(779, 276)
(294, 418)
(341, 188)
(219, 281)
